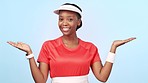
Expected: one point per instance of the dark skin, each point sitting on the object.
(68, 22)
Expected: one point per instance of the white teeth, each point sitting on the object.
(65, 29)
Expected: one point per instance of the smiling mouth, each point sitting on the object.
(65, 29)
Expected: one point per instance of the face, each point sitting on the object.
(68, 22)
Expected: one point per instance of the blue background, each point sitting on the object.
(33, 22)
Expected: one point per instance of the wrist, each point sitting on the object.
(29, 52)
(29, 56)
(113, 48)
(111, 57)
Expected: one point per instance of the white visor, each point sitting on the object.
(69, 8)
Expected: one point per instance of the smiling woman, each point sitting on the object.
(68, 58)
(68, 22)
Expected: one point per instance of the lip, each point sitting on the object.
(65, 29)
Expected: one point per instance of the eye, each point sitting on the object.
(60, 19)
(70, 19)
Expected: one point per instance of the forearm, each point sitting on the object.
(36, 73)
(106, 69)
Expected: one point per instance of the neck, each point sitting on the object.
(70, 40)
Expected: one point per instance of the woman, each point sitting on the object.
(68, 57)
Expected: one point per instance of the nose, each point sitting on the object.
(64, 23)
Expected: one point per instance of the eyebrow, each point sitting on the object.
(66, 16)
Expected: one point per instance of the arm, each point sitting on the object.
(102, 72)
(40, 74)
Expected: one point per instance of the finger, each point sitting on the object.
(129, 39)
(12, 43)
(132, 38)
(16, 45)
(19, 44)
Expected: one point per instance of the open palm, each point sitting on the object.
(22, 46)
(121, 42)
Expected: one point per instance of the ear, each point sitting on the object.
(79, 22)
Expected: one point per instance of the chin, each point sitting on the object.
(66, 34)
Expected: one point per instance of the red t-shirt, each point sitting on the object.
(64, 61)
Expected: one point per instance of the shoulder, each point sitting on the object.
(87, 44)
(52, 43)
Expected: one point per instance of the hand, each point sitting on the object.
(121, 42)
(118, 43)
(22, 46)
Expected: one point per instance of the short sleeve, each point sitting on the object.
(44, 54)
(95, 54)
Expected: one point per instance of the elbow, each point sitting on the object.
(40, 81)
(102, 79)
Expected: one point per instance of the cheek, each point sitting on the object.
(76, 24)
(59, 24)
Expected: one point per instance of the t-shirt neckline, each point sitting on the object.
(71, 49)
